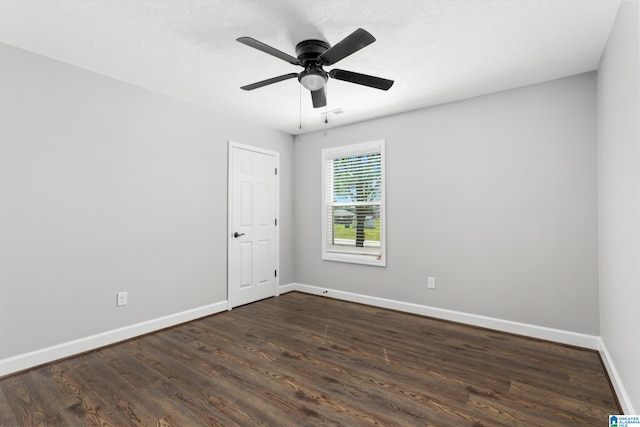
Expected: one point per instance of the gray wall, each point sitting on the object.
(619, 197)
(107, 187)
(494, 196)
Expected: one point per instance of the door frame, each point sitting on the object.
(230, 147)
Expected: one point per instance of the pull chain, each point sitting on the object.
(326, 93)
(300, 121)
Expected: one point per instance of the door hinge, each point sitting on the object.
(276, 221)
(276, 171)
(276, 273)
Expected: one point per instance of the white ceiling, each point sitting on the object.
(435, 50)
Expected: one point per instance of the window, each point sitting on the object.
(353, 204)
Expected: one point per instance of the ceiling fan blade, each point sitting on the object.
(361, 79)
(350, 44)
(319, 98)
(269, 81)
(270, 50)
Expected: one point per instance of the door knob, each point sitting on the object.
(236, 234)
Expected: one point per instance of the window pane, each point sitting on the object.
(356, 226)
(357, 178)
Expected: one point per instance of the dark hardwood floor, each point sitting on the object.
(303, 360)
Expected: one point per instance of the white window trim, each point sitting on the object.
(355, 255)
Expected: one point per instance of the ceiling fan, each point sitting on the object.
(312, 55)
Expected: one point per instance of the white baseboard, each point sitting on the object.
(623, 397)
(287, 288)
(565, 337)
(60, 351)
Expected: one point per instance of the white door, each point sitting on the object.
(253, 205)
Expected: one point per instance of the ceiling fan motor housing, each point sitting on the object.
(309, 50)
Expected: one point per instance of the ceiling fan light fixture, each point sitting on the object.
(313, 80)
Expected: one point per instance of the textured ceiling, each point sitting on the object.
(435, 50)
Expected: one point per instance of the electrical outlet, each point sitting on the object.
(431, 282)
(122, 299)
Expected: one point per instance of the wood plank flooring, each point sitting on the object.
(303, 360)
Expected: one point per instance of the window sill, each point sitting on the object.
(355, 258)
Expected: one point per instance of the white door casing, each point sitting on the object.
(253, 212)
